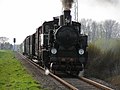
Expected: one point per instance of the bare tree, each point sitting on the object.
(95, 30)
(109, 28)
(3, 43)
(3, 39)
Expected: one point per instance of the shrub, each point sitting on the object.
(104, 63)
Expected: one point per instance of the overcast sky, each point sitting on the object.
(20, 18)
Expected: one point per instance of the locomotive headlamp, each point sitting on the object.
(53, 51)
(81, 51)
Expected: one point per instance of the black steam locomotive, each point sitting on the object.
(58, 45)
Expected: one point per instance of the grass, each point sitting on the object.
(13, 75)
(115, 80)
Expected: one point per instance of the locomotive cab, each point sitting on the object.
(45, 39)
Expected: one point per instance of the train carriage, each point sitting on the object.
(26, 44)
(32, 46)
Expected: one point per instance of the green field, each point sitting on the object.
(13, 75)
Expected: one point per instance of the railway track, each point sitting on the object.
(72, 83)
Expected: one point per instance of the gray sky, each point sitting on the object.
(20, 18)
(99, 9)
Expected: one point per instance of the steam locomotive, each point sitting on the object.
(58, 45)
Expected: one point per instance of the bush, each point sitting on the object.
(104, 63)
(93, 51)
(93, 54)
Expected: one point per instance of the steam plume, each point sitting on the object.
(67, 4)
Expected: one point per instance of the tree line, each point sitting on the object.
(4, 45)
(107, 29)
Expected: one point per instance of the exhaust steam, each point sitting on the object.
(67, 4)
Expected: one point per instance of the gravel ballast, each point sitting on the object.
(45, 80)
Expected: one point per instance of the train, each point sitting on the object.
(58, 45)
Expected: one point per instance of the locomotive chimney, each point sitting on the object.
(66, 18)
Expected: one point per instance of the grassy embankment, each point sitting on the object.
(13, 75)
(104, 61)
